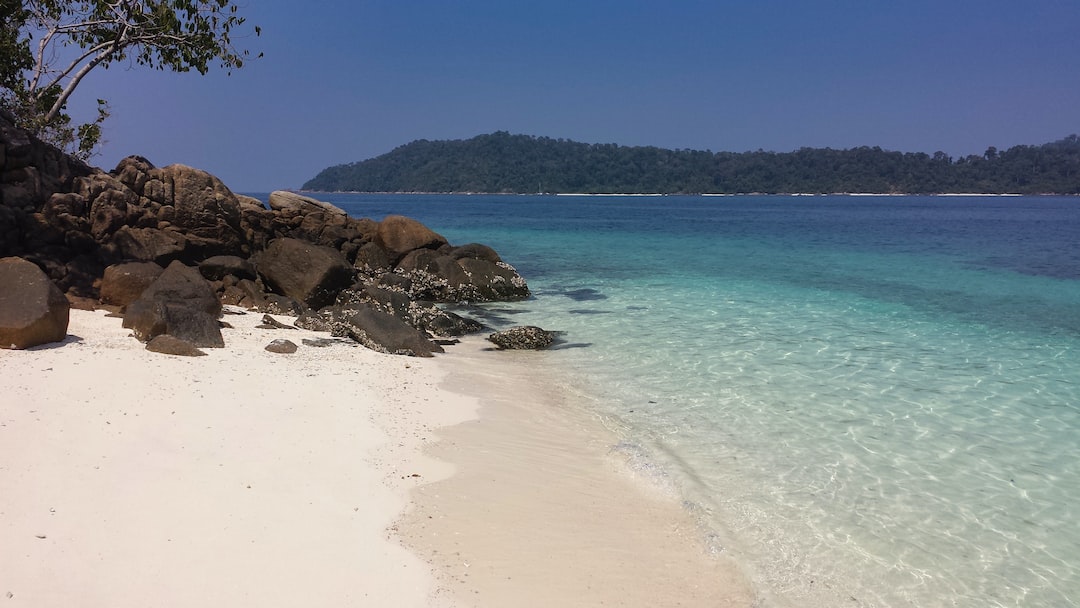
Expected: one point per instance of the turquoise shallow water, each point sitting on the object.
(870, 401)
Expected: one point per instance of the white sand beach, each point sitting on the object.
(247, 478)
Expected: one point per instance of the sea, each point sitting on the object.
(865, 400)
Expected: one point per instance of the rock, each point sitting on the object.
(218, 267)
(526, 337)
(269, 322)
(475, 251)
(148, 319)
(324, 342)
(33, 310)
(387, 300)
(182, 284)
(466, 279)
(488, 282)
(381, 332)
(309, 273)
(171, 345)
(283, 200)
(122, 284)
(371, 256)
(312, 321)
(281, 305)
(284, 347)
(429, 317)
(399, 235)
(180, 303)
(150, 244)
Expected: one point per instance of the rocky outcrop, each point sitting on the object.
(33, 311)
(107, 236)
(526, 337)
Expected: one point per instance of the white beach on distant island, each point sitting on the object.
(249, 478)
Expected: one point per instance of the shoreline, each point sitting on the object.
(543, 510)
(333, 476)
(242, 478)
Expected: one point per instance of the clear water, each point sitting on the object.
(870, 401)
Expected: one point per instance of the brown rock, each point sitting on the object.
(122, 284)
(399, 235)
(171, 345)
(282, 200)
(33, 310)
(280, 346)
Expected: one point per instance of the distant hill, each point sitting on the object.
(505, 163)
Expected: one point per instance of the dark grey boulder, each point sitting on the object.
(276, 304)
(429, 317)
(171, 345)
(312, 321)
(122, 284)
(525, 337)
(33, 310)
(371, 256)
(309, 273)
(381, 331)
(218, 267)
(181, 284)
(149, 318)
(392, 301)
(489, 282)
(180, 303)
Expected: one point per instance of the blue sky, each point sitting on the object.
(343, 81)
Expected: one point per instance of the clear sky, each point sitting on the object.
(342, 81)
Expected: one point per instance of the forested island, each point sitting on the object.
(521, 164)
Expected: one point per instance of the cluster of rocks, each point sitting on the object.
(167, 247)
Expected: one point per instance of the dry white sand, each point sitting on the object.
(247, 478)
(242, 478)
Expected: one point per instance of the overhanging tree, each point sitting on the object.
(47, 48)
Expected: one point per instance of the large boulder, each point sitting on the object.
(218, 267)
(122, 284)
(180, 303)
(33, 311)
(399, 235)
(381, 331)
(309, 273)
(184, 285)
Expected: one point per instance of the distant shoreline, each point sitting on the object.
(706, 194)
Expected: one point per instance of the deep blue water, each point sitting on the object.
(869, 401)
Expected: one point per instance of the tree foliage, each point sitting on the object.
(501, 162)
(47, 47)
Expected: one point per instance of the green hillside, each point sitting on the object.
(505, 163)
